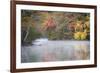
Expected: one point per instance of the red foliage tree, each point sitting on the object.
(50, 23)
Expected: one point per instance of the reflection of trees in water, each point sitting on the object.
(81, 51)
(56, 51)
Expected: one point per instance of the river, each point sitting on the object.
(57, 50)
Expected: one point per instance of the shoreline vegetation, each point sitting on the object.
(54, 26)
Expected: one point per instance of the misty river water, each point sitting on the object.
(56, 50)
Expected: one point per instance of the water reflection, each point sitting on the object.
(56, 51)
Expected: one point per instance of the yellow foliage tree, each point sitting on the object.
(80, 35)
(78, 26)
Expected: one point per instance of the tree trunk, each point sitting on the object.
(27, 33)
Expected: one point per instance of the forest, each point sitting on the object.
(54, 25)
